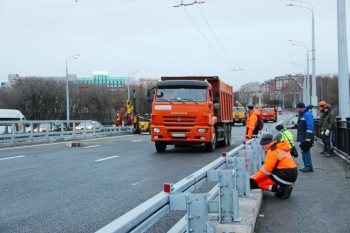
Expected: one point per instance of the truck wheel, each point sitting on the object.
(224, 142)
(243, 123)
(210, 146)
(160, 146)
(229, 135)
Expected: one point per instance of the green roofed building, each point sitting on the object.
(102, 78)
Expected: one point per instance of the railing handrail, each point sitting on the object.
(15, 131)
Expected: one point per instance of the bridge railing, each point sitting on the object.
(340, 136)
(29, 131)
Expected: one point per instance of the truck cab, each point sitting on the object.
(269, 113)
(239, 115)
(191, 110)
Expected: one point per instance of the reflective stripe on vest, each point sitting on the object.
(265, 172)
(282, 181)
(281, 154)
(309, 131)
(276, 177)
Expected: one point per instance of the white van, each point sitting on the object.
(10, 115)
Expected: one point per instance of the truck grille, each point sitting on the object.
(179, 120)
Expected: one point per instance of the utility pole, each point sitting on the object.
(343, 74)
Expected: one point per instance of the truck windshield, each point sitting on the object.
(238, 109)
(181, 95)
(268, 110)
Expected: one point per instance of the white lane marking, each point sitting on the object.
(112, 157)
(91, 146)
(51, 144)
(137, 140)
(20, 147)
(15, 157)
(94, 139)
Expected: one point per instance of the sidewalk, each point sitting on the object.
(320, 201)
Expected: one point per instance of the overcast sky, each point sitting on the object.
(157, 39)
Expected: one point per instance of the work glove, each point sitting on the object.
(327, 132)
(308, 140)
(322, 132)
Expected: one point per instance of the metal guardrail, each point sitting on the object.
(24, 131)
(148, 213)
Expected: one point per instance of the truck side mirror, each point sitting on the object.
(216, 96)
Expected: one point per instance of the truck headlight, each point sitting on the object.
(200, 130)
(156, 130)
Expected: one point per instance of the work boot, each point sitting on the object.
(330, 153)
(325, 150)
(307, 169)
(279, 192)
(287, 191)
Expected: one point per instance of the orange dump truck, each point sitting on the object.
(269, 113)
(191, 110)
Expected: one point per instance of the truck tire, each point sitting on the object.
(210, 146)
(160, 146)
(224, 142)
(229, 135)
(243, 123)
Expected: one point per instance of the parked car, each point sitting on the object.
(279, 110)
(57, 127)
(89, 125)
(43, 128)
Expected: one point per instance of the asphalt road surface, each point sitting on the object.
(55, 188)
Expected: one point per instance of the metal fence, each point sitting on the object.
(30, 131)
(341, 134)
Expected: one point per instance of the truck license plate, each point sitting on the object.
(178, 135)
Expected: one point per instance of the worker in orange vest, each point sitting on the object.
(279, 171)
(252, 122)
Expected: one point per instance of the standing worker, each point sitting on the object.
(252, 122)
(287, 136)
(305, 135)
(279, 171)
(328, 125)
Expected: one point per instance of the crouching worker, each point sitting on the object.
(279, 171)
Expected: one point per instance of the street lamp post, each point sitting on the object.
(304, 83)
(132, 73)
(308, 6)
(70, 58)
(307, 92)
(343, 79)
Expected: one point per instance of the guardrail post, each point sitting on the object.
(197, 213)
(228, 197)
(13, 132)
(347, 136)
(248, 156)
(256, 155)
(242, 177)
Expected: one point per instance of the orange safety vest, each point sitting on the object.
(252, 122)
(279, 155)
